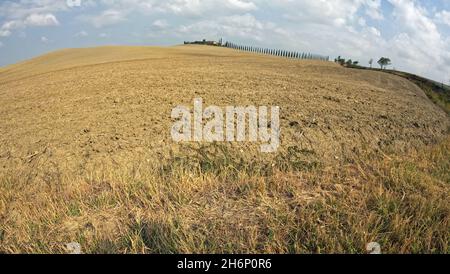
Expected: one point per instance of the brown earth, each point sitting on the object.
(79, 106)
(71, 113)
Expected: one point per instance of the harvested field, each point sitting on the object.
(86, 155)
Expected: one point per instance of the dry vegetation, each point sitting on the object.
(86, 156)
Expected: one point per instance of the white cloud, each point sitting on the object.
(185, 8)
(106, 18)
(21, 9)
(244, 26)
(443, 17)
(81, 34)
(373, 9)
(240, 5)
(44, 40)
(374, 31)
(336, 13)
(41, 20)
(10, 25)
(205, 7)
(160, 24)
(32, 20)
(419, 45)
(7, 27)
(4, 33)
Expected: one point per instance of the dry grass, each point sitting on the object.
(217, 206)
(85, 156)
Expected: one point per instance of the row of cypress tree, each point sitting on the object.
(278, 52)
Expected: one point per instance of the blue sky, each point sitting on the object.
(415, 34)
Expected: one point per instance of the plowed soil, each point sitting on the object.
(86, 156)
(80, 106)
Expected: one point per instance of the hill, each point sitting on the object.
(438, 93)
(86, 155)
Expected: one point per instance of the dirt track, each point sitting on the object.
(83, 107)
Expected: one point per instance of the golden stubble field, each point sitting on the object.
(86, 156)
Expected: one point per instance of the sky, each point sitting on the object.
(414, 34)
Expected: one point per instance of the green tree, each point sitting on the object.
(384, 62)
(340, 60)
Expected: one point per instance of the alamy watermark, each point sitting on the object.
(229, 124)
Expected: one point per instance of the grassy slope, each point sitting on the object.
(212, 198)
(438, 93)
(399, 201)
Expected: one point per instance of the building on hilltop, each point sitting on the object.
(205, 42)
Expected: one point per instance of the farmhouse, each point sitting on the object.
(204, 42)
